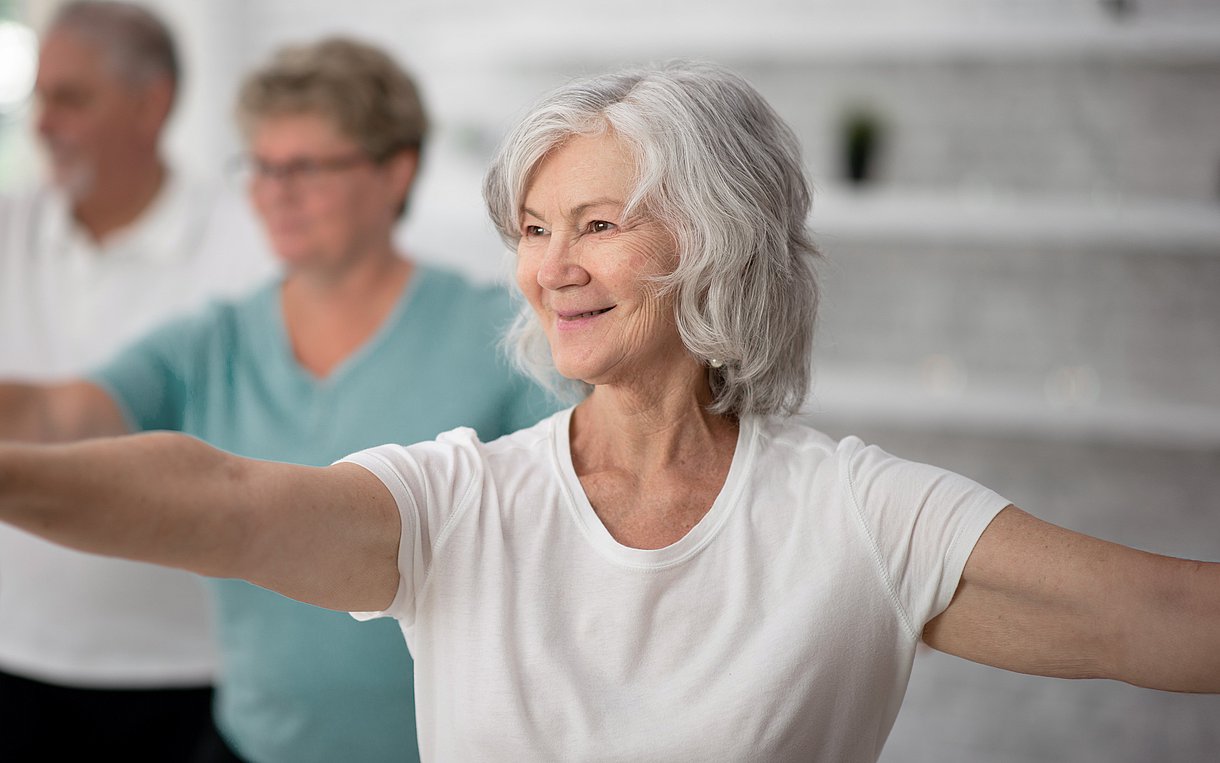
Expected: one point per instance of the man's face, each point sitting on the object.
(88, 117)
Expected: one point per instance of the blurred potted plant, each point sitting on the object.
(862, 139)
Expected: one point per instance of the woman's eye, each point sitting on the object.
(534, 230)
(600, 226)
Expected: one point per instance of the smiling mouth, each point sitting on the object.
(578, 316)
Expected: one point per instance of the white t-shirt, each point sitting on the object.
(782, 627)
(67, 304)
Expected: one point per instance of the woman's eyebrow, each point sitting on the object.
(579, 209)
(603, 201)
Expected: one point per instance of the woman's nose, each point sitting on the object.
(560, 265)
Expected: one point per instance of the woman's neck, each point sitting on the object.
(658, 423)
(329, 314)
(351, 280)
(650, 458)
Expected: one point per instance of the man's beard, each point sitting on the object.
(73, 176)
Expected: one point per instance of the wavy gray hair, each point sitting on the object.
(719, 168)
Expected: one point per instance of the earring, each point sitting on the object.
(716, 363)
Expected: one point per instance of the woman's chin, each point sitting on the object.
(572, 374)
(295, 260)
(588, 375)
(576, 372)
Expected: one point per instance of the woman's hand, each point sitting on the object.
(1036, 598)
(326, 536)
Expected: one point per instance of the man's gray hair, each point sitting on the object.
(723, 173)
(138, 43)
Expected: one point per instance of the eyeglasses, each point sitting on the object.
(304, 173)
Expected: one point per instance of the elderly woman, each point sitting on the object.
(673, 569)
(355, 346)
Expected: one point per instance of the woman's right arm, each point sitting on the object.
(57, 412)
(326, 536)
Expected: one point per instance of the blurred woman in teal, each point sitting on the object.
(356, 345)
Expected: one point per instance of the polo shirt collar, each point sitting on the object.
(163, 233)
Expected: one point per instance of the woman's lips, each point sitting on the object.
(576, 318)
(572, 315)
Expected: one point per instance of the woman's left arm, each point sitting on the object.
(1039, 599)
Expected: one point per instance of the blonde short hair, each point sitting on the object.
(368, 96)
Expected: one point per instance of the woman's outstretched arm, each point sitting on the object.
(1037, 598)
(327, 536)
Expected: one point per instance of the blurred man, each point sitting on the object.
(97, 654)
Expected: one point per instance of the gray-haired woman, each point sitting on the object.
(673, 568)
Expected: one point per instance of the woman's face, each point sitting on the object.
(585, 268)
(323, 202)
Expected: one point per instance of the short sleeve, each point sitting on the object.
(149, 378)
(432, 484)
(923, 522)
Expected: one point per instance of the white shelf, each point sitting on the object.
(979, 218)
(875, 398)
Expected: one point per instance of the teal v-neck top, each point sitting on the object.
(300, 683)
